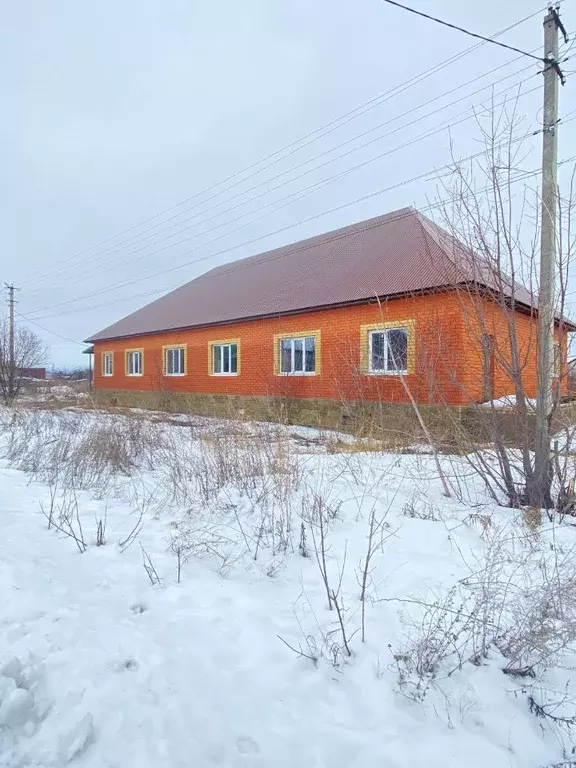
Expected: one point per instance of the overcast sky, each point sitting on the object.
(116, 111)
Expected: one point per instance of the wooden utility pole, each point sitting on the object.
(542, 476)
(10, 374)
(11, 330)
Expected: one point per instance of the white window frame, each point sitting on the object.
(292, 339)
(140, 353)
(168, 351)
(385, 332)
(107, 357)
(225, 346)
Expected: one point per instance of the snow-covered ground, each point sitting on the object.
(199, 632)
(508, 401)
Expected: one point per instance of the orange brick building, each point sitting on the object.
(367, 312)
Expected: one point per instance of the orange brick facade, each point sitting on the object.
(447, 364)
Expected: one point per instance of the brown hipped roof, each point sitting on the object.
(398, 253)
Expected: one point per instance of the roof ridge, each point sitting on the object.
(477, 265)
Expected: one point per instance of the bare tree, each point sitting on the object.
(492, 218)
(29, 352)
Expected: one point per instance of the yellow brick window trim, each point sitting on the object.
(126, 353)
(365, 330)
(218, 343)
(104, 354)
(278, 337)
(165, 349)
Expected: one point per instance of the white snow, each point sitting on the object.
(508, 401)
(103, 669)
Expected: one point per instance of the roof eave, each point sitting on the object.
(522, 306)
(286, 313)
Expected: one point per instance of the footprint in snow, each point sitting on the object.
(130, 665)
(246, 745)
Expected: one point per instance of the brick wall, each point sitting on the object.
(447, 357)
(480, 316)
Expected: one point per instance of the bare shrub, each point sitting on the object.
(240, 471)
(482, 520)
(101, 529)
(332, 643)
(64, 516)
(375, 541)
(443, 633)
(302, 545)
(110, 450)
(144, 502)
(520, 602)
(319, 514)
(79, 450)
(205, 539)
(494, 232)
(201, 465)
(49, 511)
(151, 571)
(420, 508)
(177, 548)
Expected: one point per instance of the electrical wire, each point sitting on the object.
(329, 239)
(65, 338)
(296, 249)
(218, 253)
(430, 132)
(290, 170)
(465, 31)
(294, 146)
(92, 266)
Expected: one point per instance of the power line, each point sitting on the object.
(464, 116)
(115, 261)
(521, 177)
(306, 162)
(465, 31)
(65, 338)
(329, 239)
(249, 242)
(317, 133)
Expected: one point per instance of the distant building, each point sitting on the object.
(33, 373)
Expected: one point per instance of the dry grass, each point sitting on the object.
(77, 451)
(363, 445)
(532, 517)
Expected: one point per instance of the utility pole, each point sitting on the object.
(11, 341)
(11, 303)
(540, 494)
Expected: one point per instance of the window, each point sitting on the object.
(175, 361)
(388, 351)
(134, 362)
(297, 353)
(107, 363)
(224, 358)
(298, 356)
